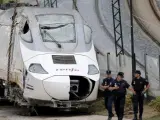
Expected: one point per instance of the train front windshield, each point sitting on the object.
(59, 31)
(58, 28)
(62, 33)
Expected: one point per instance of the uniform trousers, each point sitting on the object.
(119, 102)
(138, 101)
(109, 103)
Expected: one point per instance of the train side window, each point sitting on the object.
(26, 28)
(25, 32)
(87, 34)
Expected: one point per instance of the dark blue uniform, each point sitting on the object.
(107, 95)
(138, 86)
(119, 96)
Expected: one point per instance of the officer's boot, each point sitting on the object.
(120, 118)
(112, 115)
(135, 117)
(109, 118)
(140, 117)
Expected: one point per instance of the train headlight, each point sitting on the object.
(37, 68)
(92, 70)
(4, 83)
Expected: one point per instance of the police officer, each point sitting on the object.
(118, 88)
(139, 84)
(107, 93)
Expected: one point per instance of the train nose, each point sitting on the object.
(57, 87)
(68, 87)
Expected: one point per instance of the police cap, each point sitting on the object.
(108, 72)
(138, 72)
(120, 74)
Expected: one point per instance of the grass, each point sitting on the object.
(154, 118)
(98, 108)
(5, 1)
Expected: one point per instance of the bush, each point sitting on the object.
(128, 105)
(155, 104)
(98, 107)
(6, 1)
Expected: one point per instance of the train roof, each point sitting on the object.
(6, 15)
(38, 10)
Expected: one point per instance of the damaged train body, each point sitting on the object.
(53, 57)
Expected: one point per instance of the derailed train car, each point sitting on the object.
(53, 57)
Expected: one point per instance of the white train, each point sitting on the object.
(53, 57)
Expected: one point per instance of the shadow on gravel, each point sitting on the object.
(4, 102)
(61, 112)
(51, 112)
(41, 111)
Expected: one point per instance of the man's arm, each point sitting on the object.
(112, 87)
(130, 88)
(103, 86)
(147, 86)
(132, 83)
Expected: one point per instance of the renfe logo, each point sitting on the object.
(71, 70)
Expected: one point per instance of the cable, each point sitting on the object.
(11, 42)
(37, 3)
(75, 5)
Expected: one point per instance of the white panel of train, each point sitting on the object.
(53, 59)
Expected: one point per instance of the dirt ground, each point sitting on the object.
(96, 112)
(12, 113)
(148, 113)
(99, 109)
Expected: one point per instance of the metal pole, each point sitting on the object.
(108, 62)
(120, 62)
(145, 63)
(134, 60)
(51, 5)
(159, 72)
(146, 72)
(56, 3)
(132, 40)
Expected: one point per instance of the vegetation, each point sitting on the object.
(1, 1)
(98, 106)
(155, 104)
(150, 113)
(154, 118)
(5, 1)
(128, 105)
